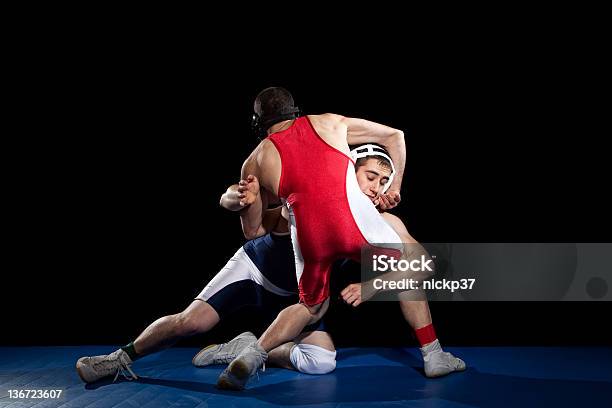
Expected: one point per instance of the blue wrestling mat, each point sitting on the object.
(366, 377)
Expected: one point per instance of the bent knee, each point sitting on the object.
(311, 359)
(186, 325)
(189, 322)
(317, 311)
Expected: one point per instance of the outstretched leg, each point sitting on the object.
(199, 317)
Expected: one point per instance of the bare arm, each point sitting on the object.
(255, 197)
(251, 215)
(364, 131)
(400, 229)
(270, 221)
(412, 251)
(251, 199)
(230, 200)
(234, 200)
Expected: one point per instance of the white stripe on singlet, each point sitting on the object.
(369, 221)
(299, 260)
(239, 267)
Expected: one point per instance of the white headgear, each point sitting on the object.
(374, 150)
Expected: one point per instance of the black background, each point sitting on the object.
(119, 164)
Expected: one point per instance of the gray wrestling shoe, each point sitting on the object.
(223, 353)
(438, 362)
(92, 369)
(246, 364)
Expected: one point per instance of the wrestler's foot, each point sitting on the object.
(438, 362)
(223, 353)
(92, 369)
(237, 374)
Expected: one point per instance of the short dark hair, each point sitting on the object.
(273, 104)
(381, 162)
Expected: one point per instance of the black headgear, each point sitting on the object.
(260, 124)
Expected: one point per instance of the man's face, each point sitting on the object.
(372, 178)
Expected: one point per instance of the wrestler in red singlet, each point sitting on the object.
(330, 217)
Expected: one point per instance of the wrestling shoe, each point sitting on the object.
(438, 362)
(223, 353)
(92, 369)
(245, 365)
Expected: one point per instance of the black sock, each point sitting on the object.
(129, 349)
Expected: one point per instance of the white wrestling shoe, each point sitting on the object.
(245, 365)
(92, 369)
(223, 353)
(438, 362)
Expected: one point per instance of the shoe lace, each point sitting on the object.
(228, 351)
(123, 368)
(226, 358)
(262, 369)
(130, 375)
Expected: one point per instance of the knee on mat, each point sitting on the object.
(311, 359)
